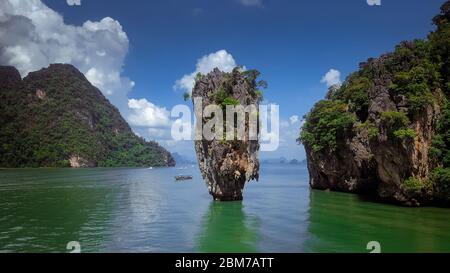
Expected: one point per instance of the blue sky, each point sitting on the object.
(293, 43)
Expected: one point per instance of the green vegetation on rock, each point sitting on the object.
(413, 184)
(440, 50)
(372, 129)
(441, 183)
(55, 115)
(222, 95)
(328, 120)
(186, 96)
(397, 124)
(354, 92)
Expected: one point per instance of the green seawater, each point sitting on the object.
(143, 210)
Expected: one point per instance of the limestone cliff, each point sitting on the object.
(385, 130)
(227, 165)
(56, 118)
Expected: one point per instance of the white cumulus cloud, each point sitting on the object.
(294, 119)
(74, 2)
(32, 36)
(220, 59)
(374, 2)
(146, 114)
(332, 77)
(250, 3)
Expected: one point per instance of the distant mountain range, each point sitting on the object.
(182, 159)
(283, 160)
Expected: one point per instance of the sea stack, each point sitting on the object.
(226, 165)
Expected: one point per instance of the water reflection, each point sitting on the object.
(140, 210)
(42, 210)
(154, 213)
(227, 228)
(342, 222)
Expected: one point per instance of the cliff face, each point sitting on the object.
(384, 131)
(365, 163)
(55, 118)
(227, 165)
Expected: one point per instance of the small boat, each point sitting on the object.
(150, 168)
(183, 177)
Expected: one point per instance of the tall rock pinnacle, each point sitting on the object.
(226, 165)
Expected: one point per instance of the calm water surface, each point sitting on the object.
(141, 210)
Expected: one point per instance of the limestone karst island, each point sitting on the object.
(234, 127)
